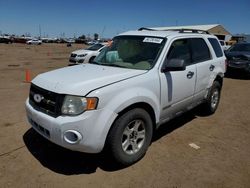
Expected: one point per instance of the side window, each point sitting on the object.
(216, 46)
(200, 50)
(180, 50)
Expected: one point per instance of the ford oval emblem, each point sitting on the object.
(38, 98)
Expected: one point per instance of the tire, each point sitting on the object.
(213, 99)
(130, 136)
(91, 59)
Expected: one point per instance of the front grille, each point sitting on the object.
(72, 61)
(73, 55)
(40, 128)
(50, 103)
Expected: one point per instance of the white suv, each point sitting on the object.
(86, 55)
(139, 82)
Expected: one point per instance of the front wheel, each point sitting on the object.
(213, 99)
(130, 136)
(91, 59)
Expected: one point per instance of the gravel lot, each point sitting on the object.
(28, 160)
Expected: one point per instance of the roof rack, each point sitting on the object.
(182, 30)
(147, 29)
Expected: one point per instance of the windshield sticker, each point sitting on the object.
(152, 40)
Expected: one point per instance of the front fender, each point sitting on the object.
(117, 101)
(144, 88)
(133, 96)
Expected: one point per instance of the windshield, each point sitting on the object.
(134, 52)
(95, 47)
(240, 47)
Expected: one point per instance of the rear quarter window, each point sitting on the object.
(216, 46)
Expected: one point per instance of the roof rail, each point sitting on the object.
(182, 30)
(147, 29)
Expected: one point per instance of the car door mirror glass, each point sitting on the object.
(174, 65)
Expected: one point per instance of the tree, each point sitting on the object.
(82, 37)
(96, 36)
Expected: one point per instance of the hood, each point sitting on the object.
(82, 51)
(81, 79)
(238, 54)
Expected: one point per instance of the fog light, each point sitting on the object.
(72, 137)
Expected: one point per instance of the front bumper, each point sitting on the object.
(93, 126)
(75, 60)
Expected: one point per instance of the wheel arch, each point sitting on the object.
(91, 58)
(143, 105)
(219, 78)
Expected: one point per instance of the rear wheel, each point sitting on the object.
(130, 136)
(213, 99)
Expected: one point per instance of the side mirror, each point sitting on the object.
(174, 65)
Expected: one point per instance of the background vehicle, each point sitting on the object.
(239, 57)
(34, 41)
(224, 45)
(92, 42)
(139, 82)
(86, 55)
(6, 39)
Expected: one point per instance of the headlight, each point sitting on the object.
(82, 55)
(75, 105)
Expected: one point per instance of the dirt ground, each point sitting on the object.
(28, 160)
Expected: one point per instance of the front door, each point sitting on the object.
(177, 87)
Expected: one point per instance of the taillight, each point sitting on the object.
(226, 64)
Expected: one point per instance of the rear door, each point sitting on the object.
(201, 56)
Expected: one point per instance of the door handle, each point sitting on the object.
(190, 74)
(211, 68)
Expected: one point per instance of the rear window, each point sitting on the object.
(216, 47)
(200, 50)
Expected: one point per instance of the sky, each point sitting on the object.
(61, 18)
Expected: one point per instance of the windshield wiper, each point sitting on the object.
(106, 64)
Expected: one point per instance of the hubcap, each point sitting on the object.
(133, 137)
(215, 98)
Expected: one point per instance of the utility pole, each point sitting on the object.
(103, 31)
(40, 31)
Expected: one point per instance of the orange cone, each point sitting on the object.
(27, 76)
